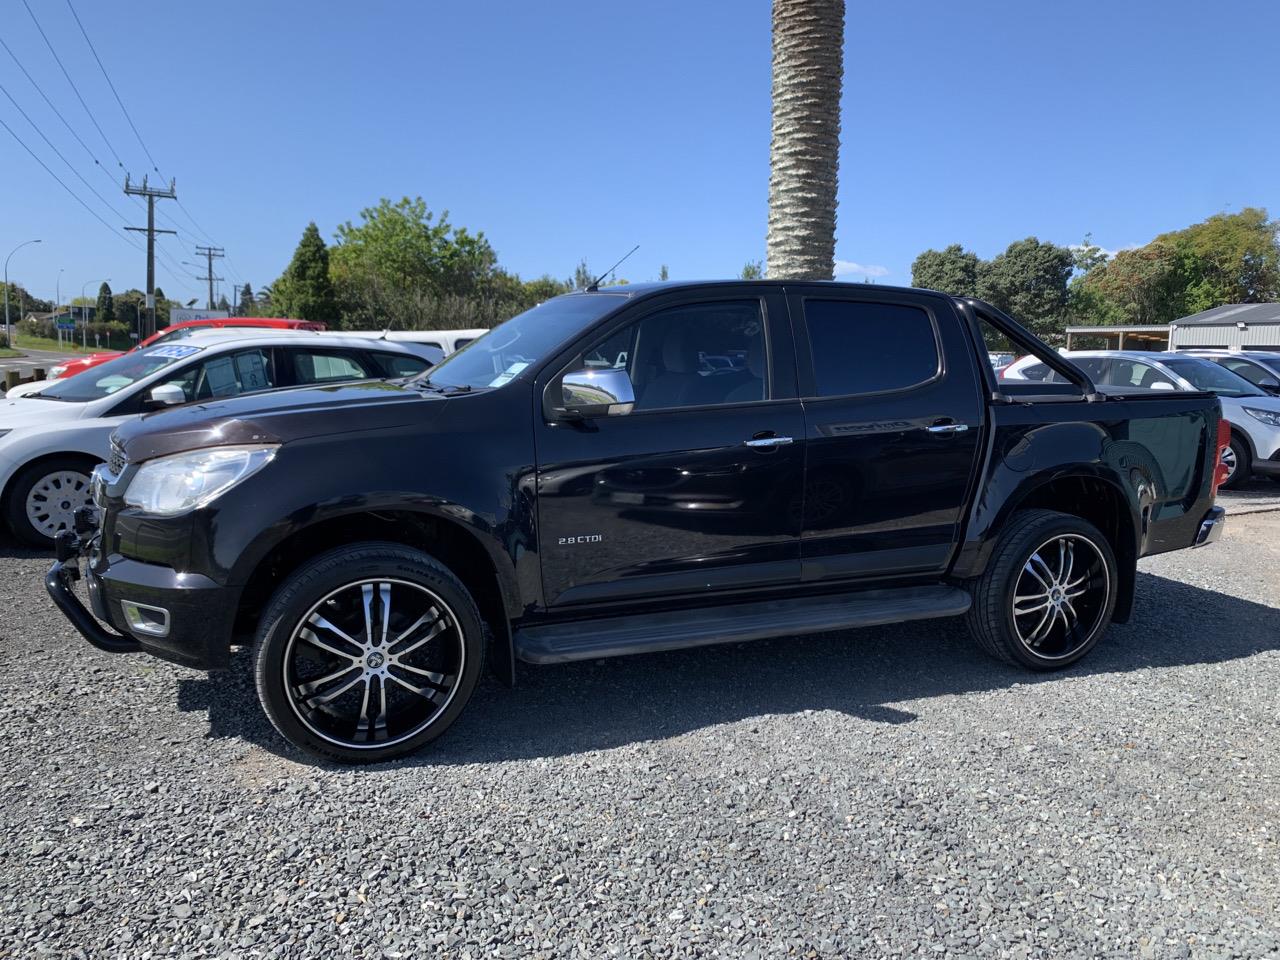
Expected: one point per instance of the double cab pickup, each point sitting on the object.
(628, 470)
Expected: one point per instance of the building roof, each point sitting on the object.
(1155, 329)
(1233, 313)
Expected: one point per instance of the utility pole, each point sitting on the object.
(210, 254)
(152, 194)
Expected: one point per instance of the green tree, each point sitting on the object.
(1088, 256)
(1029, 282)
(582, 275)
(953, 270)
(106, 306)
(1144, 285)
(305, 291)
(224, 304)
(752, 270)
(163, 306)
(246, 304)
(662, 273)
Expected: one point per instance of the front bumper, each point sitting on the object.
(198, 614)
(1211, 527)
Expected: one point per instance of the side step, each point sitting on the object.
(703, 626)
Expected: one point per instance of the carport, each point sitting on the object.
(1137, 336)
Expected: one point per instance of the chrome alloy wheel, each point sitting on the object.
(1061, 596)
(373, 663)
(54, 499)
(1230, 461)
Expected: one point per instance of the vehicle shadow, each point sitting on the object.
(884, 675)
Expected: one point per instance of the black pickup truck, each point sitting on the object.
(628, 470)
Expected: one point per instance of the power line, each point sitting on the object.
(56, 111)
(58, 61)
(152, 194)
(58, 152)
(94, 51)
(74, 195)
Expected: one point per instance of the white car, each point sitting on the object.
(447, 341)
(1253, 413)
(52, 436)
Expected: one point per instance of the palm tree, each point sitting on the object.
(804, 155)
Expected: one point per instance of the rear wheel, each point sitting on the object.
(1048, 593)
(44, 497)
(367, 653)
(1238, 462)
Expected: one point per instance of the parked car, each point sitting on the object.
(532, 499)
(179, 331)
(448, 341)
(1259, 367)
(52, 437)
(1254, 415)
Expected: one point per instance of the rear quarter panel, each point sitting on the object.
(1156, 452)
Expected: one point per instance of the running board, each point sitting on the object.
(703, 626)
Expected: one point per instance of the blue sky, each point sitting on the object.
(566, 130)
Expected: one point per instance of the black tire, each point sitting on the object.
(1244, 463)
(1079, 617)
(294, 641)
(32, 476)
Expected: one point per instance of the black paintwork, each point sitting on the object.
(677, 512)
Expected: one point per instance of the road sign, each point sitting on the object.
(67, 325)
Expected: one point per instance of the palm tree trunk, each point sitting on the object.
(804, 155)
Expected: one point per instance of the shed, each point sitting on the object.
(1235, 326)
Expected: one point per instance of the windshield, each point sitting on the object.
(114, 375)
(1208, 376)
(499, 355)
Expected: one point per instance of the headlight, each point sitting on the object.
(168, 486)
(1270, 417)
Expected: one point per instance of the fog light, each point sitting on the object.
(146, 619)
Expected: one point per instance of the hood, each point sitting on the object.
(19, 412)
(277, 417)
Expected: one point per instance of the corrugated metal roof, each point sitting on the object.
(1232, 313)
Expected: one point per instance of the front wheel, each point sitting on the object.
(44, 497)
(368, 652)
(1239, 464)
(1048, 592)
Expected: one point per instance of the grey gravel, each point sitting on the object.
(885, 792)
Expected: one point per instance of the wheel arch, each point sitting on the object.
(17, 469)
(1103, 502)
(490, 581)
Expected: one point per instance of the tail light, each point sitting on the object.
(1224, 441)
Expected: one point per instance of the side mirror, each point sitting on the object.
(166, 395)
(1269, 384)
(1163, 385)
(603, 392)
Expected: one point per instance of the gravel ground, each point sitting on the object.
(884, 792)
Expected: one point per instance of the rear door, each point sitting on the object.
(894, 416)
(697, 487)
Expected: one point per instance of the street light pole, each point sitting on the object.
(57, 307)
(8, 333)
(84, 316)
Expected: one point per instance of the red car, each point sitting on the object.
(177, 332)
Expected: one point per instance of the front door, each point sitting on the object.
(894, 415)
(697, 488)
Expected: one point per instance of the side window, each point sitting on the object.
(226, 376)
(328, 366)
(1244, 368)
(1099, 369)
(869, 347)
(698, 354)
(400, 364)
(1135, 373)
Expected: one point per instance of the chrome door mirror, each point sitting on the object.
(597, 392)
(166, 395)
(1163, 385)
(1270, 384)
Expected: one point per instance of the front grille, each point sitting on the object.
(116, 461)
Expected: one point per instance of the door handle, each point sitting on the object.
(767, 443)
(948, 428)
